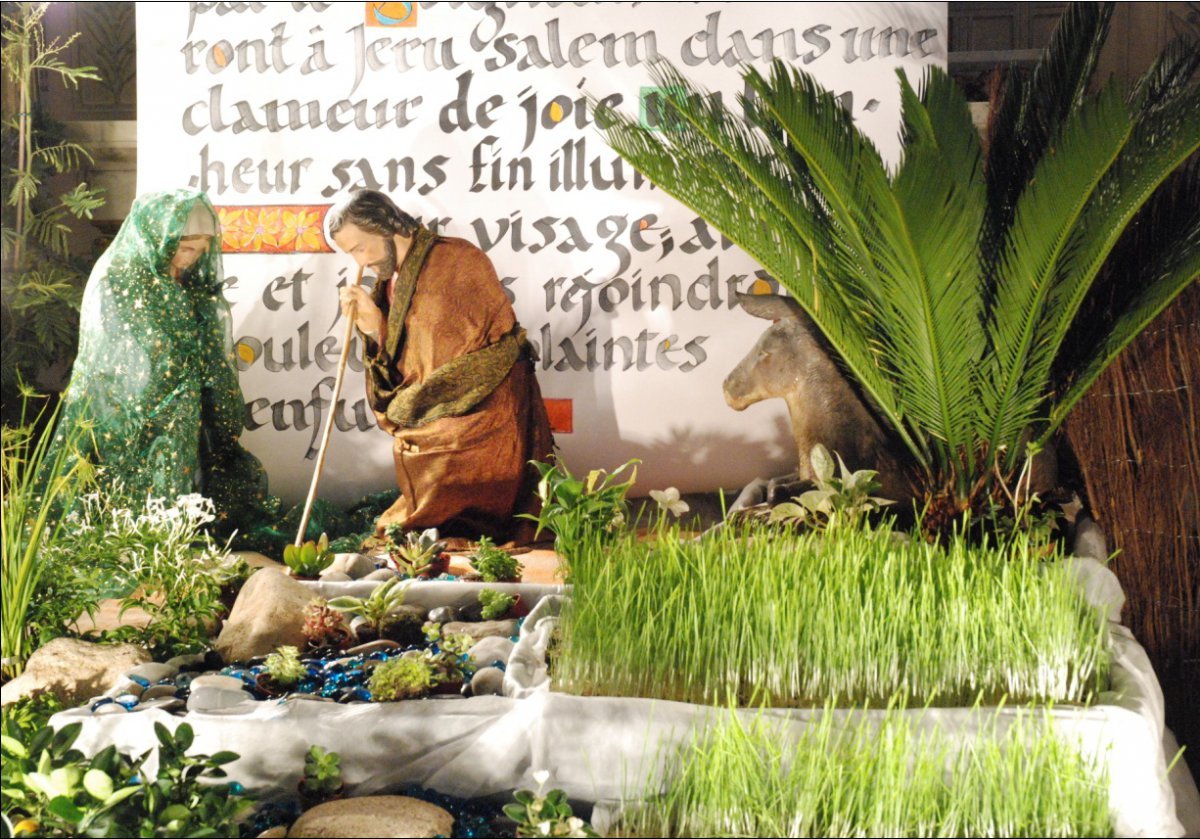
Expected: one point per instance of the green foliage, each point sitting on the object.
(310, 558)
(545, 813)
(376, 609)
(576, 509)
(950, 286)
(161, 555)
(414, 554)
(844, 500)
(41, 288)
(53, 789)
(284, 666)
(322, 773)
(36, 488)
(401, 678)
(495, 603)
(495, 565)
(878, 774)
(785, 618)
(32, 712)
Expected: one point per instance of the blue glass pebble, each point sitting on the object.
(235, 788)
(127, 701)
(140, 680)
(99, 702)
(184, 681)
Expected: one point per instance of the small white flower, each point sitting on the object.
(541, 776)
(669, 501)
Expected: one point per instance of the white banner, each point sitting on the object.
(473, 115)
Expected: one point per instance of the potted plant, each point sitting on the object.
(379, 613)
(417, 555)
(407, 677)
(497, 605)
(495, 565)
(322, 779)
(308, 560)
(282, 671)
(325, 627)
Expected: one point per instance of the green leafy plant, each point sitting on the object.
(959, 289)
(495, 565)
(575, 509)
(877, 773)
(162, 557)
(322, 773)
(42, 289)
(36, 489)
(414, 554)
(943, 623)
(51, 789)
(836, 500)
(284, 666)
(545, 813)
(401, 678)
(495, 603)
(310, 558)
(377, 608)
(323, 625)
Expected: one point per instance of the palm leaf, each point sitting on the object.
(930, 277)
(1037, 254)
(1155, 261)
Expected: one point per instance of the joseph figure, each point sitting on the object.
(450, 375)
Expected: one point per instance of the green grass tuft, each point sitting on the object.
(751, 616)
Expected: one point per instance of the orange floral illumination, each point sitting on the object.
(273, 229)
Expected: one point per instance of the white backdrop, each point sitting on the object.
(472, 114)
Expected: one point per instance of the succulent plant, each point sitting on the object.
(323, 625)
(401, 678)
(495, 603)
(495, 565)
(284, 666)
(414, 554)
(310, 558)
(376, 609)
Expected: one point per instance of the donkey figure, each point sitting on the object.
(789, 361)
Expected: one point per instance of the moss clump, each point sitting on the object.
(401, 678)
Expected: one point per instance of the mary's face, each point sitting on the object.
(370, 250)
(190, 249)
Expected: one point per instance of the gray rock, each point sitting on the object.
(181, 661)
(212, 693)
(268, 614)
(256, 560)
(110, 708)
(336, 577)
(124, 686)
(383, 816)
(488, 682)
(382, 574)
(443, 614)
(481, 629)
(355, 566)
(154, 671)
(163, 703)
(490, 650)
(73, 670)
(158, 692)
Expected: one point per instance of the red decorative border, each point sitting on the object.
(273, 228)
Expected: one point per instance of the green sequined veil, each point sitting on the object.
(155, 375)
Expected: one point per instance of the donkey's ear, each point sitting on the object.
(769, 306)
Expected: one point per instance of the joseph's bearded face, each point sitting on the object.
(370, 250)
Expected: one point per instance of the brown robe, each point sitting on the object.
(466, 475)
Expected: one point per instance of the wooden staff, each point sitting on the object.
(337, 390)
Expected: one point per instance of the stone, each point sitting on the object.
(383, 816)
(488, 651)
(382, 574)
(163, 703)
(268, 614)
(488, 682)
(336, 577)
(110, 708)
(187, 662)
(212, 693)
(354, 565)
(277, 832)
(443, 614)
(481, 629)
(153, 672)
(73, 670)
(158, 691)
(124, 686)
